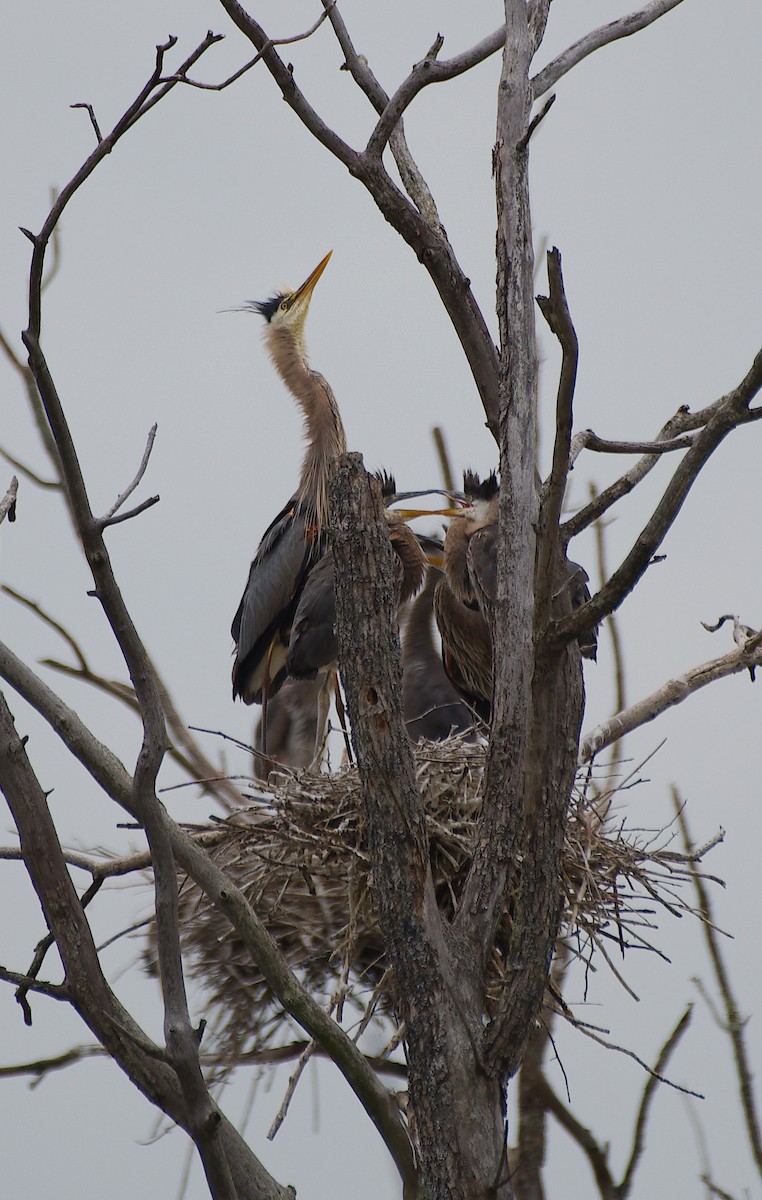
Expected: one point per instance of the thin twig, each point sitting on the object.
(296, 1075)
(649, 1091)
(734, 1024)
(132, 512)
(659, 1078)
(536, 120)
(93, 120)
(181, 76)
(106, 518)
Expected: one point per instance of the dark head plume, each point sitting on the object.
(475, 489)
(388, 485)
(266, 308)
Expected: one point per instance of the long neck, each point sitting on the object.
(455, 565)
(323, 425)
(418, 644)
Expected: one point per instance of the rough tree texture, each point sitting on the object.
(456, 1104)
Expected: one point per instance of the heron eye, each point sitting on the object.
(284, 306)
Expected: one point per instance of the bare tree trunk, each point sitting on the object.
(456, 1104)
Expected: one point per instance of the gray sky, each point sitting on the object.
(646, 175)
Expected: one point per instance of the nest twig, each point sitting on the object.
(300, 859)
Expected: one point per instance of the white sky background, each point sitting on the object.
(646, 175)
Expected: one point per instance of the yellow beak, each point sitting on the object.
(408, 514)
(305, 291)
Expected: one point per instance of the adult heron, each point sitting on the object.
(294, 542)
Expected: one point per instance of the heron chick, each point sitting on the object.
(465, 596)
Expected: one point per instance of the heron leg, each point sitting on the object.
(342, 715)
(321, 729)
(267, 764)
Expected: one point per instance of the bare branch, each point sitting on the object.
(104, 522)
(163, 86)
(43, 1066)
(28, 473)
(735, 1024)
(106, 518)
(113, 868)
(40, 612)
(587, 440)
(596, 1154)
(649, 1092)
(56, 991)
(412, 179)
(444, 458)
(620, 28)
(191, 758)
(555, 309)
(93, 121)
(111, 775)
(428, 71)
(296, 1075)
(715, 1190)
(744, 636)
(254, 1058)
(35, 404)
(202, 1120)
(426, 240)
(181, 76)
(726, 415)
(658, 1078)
(87, 988)
(537, 120)
(673, 692)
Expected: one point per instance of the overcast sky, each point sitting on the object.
(647, 176)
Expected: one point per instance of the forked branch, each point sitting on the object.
(423, 236)
(726, 415)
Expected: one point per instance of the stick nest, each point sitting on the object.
(299, 856)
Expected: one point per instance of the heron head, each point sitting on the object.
(480, 507)
(286, 311)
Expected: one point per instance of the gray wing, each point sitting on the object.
(481, 557)
(312, 645)
(266, 609)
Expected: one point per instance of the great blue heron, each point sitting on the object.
(432, 707)
(294, 541)
(464, 599)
